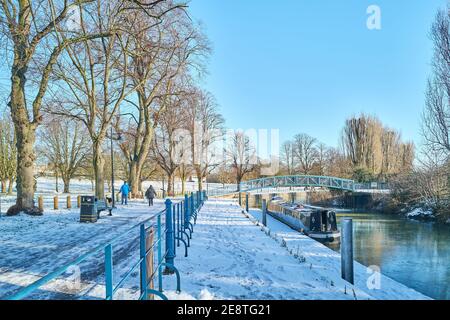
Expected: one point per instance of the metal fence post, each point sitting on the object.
(169, 235)
(264, 212)
(109, 272)
(347, 250)
(143, 254)
(192, 207)
(246, 202)
(186, 211)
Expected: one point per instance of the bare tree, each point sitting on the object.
(64, 144)
(436, 117)
(305, 152)
(28, 30)
(205, 126)
(288, 157)
(241, 155)
(94, 75)
(166, 57)
(166, 151)
(8, 154)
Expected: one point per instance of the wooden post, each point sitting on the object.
(41, 203)
(149, 261)
(264, 212)
(69, 202)
(78, 201)
(55, 203)
(347, 250)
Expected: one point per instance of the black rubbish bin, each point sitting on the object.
(88, 209)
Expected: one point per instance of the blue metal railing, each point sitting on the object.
(179, 218)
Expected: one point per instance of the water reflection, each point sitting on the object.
(414, 253)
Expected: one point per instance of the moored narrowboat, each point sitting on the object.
(317, 223)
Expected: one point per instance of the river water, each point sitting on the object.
(414, 253)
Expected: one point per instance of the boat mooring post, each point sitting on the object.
(264, 212)
(347, 250)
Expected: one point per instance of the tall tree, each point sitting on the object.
(8, 154)
(167, 151)
(305, 152)
(205, 126)
(29, 27)
(436, 117)
(241, 155)
(64, 145)
(165, 58)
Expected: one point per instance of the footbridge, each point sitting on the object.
(286, 184)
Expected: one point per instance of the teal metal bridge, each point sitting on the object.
(276, 184)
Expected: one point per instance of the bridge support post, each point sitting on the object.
(347, 250)
(264, 212)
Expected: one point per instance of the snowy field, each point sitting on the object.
(231, 257)
(46, 188)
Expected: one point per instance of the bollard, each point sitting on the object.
(41, 203)
(264, 212)
(170, 238)
(55, 203)
(246, 202)
(347, 250)
(78, 201)
(69, 202)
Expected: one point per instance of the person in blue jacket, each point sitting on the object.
(125, 191)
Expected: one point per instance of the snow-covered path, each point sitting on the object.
(31, 247)
(232, 258)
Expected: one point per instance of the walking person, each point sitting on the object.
(125, 191)
(150, 194)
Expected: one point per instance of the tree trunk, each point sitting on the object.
(170, 185)
(57, 180)
(10, 186)
(25, 173)
(135, 178)
(99, 166)
(3, 186)
(66, 185)
(183, 186)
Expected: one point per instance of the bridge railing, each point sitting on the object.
(168, 229)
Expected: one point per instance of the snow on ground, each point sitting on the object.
(32, 247)
(420, 213)
(230, 258)
(328, 262)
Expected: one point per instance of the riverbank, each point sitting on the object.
(328, 262)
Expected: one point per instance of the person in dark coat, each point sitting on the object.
(150, 194)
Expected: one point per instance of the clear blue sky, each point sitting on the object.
(307, 65)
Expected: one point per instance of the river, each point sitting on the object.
(414, 253)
